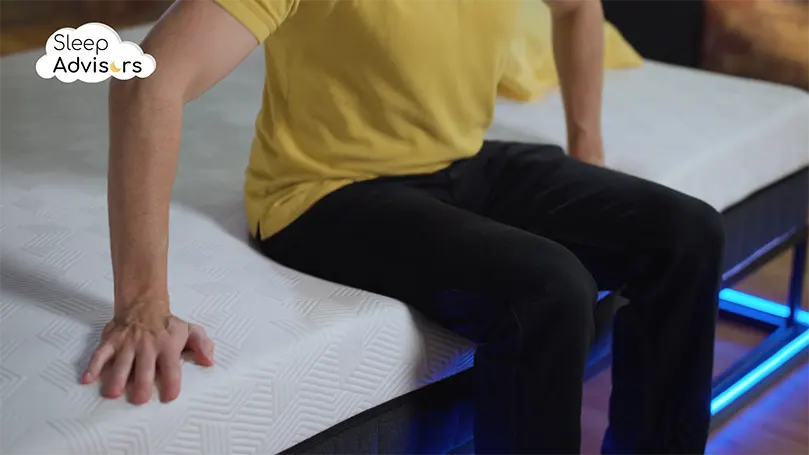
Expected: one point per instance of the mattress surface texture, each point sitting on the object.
(295, 354)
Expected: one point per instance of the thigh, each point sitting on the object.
(609, 219)
(454, 265)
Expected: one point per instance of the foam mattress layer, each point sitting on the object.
(295, 355)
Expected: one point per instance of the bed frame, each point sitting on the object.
(776, 219)
(438, 418)
(758, 229)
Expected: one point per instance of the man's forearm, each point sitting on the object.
(145, 126)
(578, 37)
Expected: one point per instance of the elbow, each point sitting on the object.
(152, 89)
(125, 92)
(120, 92)
(564, 8)
(120, 89)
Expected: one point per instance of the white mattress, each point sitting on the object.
(295, 355)
(715, 137)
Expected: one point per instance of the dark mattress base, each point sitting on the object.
(437, 419)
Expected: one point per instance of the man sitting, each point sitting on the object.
(369, 168)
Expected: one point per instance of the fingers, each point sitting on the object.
(200, 345)
(100, 358)
(145, 356)
(145, 360)
(119, 376)
(170, 375)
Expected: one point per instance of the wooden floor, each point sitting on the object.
(777, 423)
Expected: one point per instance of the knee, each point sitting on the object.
(564, 301)
(708, 228)
(695, 228)
(573, 288)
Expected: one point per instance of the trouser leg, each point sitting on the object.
(529, 304)
(663, 249)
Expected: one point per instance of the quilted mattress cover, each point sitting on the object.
(295, 354)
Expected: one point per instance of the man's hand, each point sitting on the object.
(148, 348)
(578, 45)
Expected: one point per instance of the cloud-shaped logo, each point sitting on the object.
(92, 53)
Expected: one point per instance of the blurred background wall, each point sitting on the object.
(17, 13)
(763, 39)
(27, 24)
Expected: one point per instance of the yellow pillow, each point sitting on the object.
(530, 70)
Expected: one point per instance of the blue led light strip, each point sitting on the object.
(760, 372)
(770, 365)
(765, 306)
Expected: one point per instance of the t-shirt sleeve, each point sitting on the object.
(261, 17)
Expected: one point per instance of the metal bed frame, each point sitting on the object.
(671, 31)
(785, 347)
(788, 342)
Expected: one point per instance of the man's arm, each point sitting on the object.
(578, 44)
(196, 43)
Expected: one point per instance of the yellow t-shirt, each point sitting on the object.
(357, 89)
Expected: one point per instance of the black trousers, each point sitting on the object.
(509, 248)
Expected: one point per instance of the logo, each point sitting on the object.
(92, 53)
